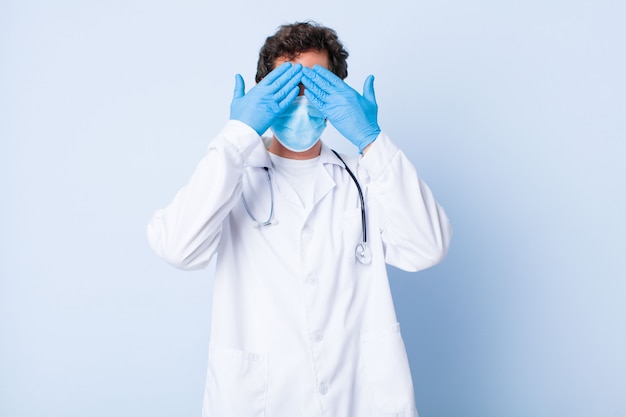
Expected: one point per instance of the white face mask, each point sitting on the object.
(300, 126)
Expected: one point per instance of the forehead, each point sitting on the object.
(307, 58)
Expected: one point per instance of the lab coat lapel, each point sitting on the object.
(260, 158)
(324, 181)
(286, 190)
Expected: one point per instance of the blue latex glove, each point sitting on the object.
(266, 100)
(355, 116)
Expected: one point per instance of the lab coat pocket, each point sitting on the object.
(388, 373)
(236, 383)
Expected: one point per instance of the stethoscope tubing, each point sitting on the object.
(358, 187)
(270, 218)
(362, 251)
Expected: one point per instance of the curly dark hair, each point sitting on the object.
(292, 39)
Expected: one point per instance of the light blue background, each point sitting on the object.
(514, 112)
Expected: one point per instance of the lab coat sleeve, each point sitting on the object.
(415, 229)
(186, 233)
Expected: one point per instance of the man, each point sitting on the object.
(303, 323)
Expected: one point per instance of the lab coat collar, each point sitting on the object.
(260, 155)
(324, 182)
(328, 157)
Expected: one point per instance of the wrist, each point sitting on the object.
(368, 140)
(247, 123)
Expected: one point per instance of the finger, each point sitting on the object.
(316, 80)
(284, 86)
(287, 79)
(368, 89)
(313, 88)
(328, 75)
(291, 96)
(276, 73)
(240, 87)
(319, 104)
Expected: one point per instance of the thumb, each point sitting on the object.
(240, 87)
(368, 89)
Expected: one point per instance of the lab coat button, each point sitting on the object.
(323, 388)
(312, 280)
(318, 337)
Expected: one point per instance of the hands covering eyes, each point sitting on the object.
(268, 99)
(355, 116)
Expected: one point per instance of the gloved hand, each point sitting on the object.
(355, 116)
(266, 100)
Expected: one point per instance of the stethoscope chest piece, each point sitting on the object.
(363, 253)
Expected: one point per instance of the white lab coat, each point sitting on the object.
(299, 328)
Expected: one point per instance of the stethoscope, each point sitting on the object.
(362, 250)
